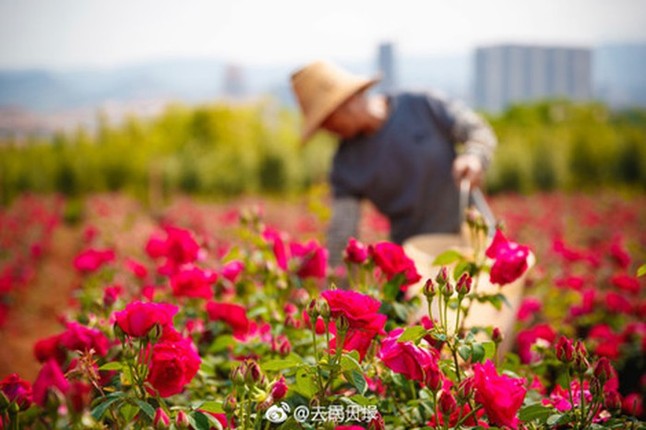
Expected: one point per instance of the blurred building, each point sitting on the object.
(507, 74)
(233, 85)
(386, 67)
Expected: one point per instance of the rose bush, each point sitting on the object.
(253, 332)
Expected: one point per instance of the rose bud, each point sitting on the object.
(342, 324)
(312, 310)
(229, 405)
(565, 350)
(447, 403)
(442, 276)
(161, 420)
(464, 285)
(429, 289)
(238, 374)
(447, 289)
(465, 389)
(612, 400)
(323, 308)
(581, 363)
(433, 378)
(279, 389)
(497, 335)
(181, 420)
(253, 374)
(603, 370)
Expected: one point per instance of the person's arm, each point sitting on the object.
(346, 212)
(463, 125)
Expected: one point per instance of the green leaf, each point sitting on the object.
(99, 410)
(460, 268)
(535, 412)
(292, 360)
(464, 351)
(146, 408)
(477, 352)
(305, 382)
(413, 334)
(198, 420)
(641, 271)
(447, 257)
(113, 365)
(489, 349)
(221, 343)
(212, 406)
(392, 287)
(349, 363)
(553, 419)
(128, 412)
(356, 378)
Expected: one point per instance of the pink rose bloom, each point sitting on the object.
(178, 247)
(193, 282)
(392, 261)
(362, 311)
(529, 307)
(527, 338)
(173, 364)
(232, 314)
(82, 338)
(17, 390)
(91, 259)
(136, 268)
(405, 358)
(510, 259)
(138, 317)
(232, 270)
(500, 395)
(355, 252)
(50, 377)
(312, 259)
(278, 246)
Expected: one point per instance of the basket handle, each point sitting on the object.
(475, 194)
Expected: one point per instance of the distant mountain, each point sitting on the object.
(619, 74)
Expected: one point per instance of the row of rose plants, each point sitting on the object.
(259, 336)
(26, 232)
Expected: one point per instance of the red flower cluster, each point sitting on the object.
(500, 395)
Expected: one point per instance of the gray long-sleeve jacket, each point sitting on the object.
(405, 169)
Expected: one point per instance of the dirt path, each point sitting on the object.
(34, 314)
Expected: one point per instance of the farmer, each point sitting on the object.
(405, 152)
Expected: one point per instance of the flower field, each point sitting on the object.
(205, 315)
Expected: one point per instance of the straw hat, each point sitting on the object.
(320, 88)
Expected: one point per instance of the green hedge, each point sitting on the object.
(220, 150)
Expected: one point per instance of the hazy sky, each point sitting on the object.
(65, 34)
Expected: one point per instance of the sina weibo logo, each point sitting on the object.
(278, 414)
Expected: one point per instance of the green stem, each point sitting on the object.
(316, 357)
(457, 316)
(455, 361)
(583, 416)
(466, 417)
(437, 417)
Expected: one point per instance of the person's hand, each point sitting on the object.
(468, 166)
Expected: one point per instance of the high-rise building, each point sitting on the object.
(386, 67)
(507, 74)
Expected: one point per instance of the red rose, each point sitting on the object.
(50, 348)
(278, 245)
(232, 270)
(173, 364)
(510, 259)
(500, 395)
(136, 268)
(17, 390)
(392, 261)
(617, 303)
(312, 259)
(405, 357)
(138, 317)
(355, 252)
(527, 338)
(50, 377)
(232, 314)
(627, 283)
(179, 247)
(607, 342)
(193, 282)
(82, 338)
(362, 311)
(92, 259)
(529, 307)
